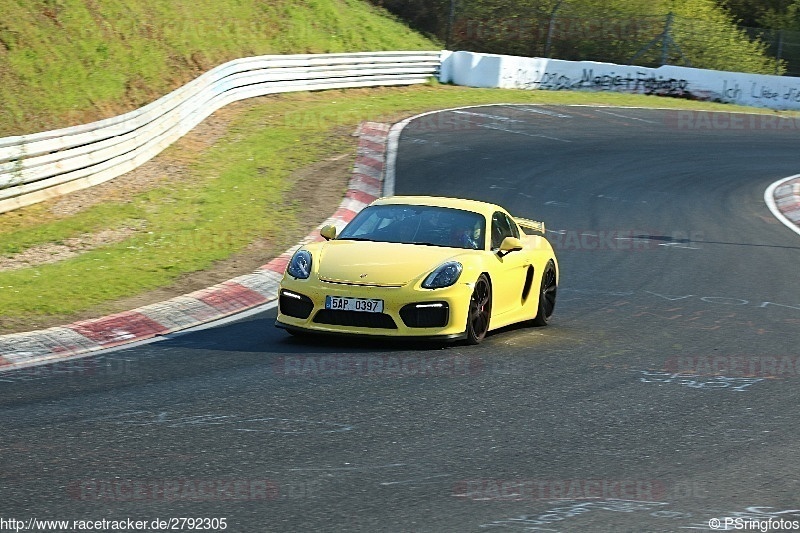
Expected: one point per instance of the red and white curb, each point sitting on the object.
(207, 305)
(783, 199)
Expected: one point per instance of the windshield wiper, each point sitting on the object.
(431, 244)
(355, 239)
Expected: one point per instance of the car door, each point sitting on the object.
(508, 276)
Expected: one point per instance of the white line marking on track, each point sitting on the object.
(541, 112)
(486, 115)
(625, 117)
(678, 245)
(393, 465)
(497, 128)
(415, 481)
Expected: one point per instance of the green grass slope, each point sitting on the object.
(66, 62)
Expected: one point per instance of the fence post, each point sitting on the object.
(450, 21)
(16, 174)
(666, 40)
(550, 27)
(780, 53)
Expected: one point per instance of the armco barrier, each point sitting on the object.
(231, 297)
(48, 164)
(511, 72)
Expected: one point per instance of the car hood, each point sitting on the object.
(379, 263)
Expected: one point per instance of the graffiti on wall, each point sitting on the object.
(515, 72)
(640, 81)
(734, 91)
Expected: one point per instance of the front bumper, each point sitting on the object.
(407, 311)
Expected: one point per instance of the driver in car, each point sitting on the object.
(464, 236)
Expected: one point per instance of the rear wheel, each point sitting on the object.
(547, 295)
(480, 310)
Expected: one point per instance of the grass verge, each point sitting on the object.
(235, 192)
(65, 62)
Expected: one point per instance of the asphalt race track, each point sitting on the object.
(663, 395)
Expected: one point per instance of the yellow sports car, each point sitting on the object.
(423, 267)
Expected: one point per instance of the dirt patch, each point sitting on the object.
(54, 252)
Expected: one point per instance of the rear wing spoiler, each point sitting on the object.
(530, 225)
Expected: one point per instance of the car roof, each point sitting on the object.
(476, 206)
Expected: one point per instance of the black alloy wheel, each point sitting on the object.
(547, 295)
(480, 310)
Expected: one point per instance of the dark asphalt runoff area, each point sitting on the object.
(662, 396)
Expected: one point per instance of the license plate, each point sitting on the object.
(365, 305)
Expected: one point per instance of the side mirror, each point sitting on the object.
(328, 232)
(510, 244)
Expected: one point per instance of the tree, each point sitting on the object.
(785, 18)
(710, 37)
(705, 32)
(754, 13)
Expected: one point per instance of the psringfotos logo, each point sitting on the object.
(550, 489)
(173, 490)
(378, 366)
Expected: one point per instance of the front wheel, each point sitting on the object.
(547, 295)
(480, 310)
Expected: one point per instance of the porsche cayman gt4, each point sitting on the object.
(425, 267)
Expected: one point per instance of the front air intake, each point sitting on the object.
(426, 315)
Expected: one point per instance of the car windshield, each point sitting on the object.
(418, 224)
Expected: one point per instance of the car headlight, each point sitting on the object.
(444, 276)
(300, 264)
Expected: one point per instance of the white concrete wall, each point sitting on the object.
(511, 72)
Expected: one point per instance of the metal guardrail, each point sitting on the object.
(48, 164)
